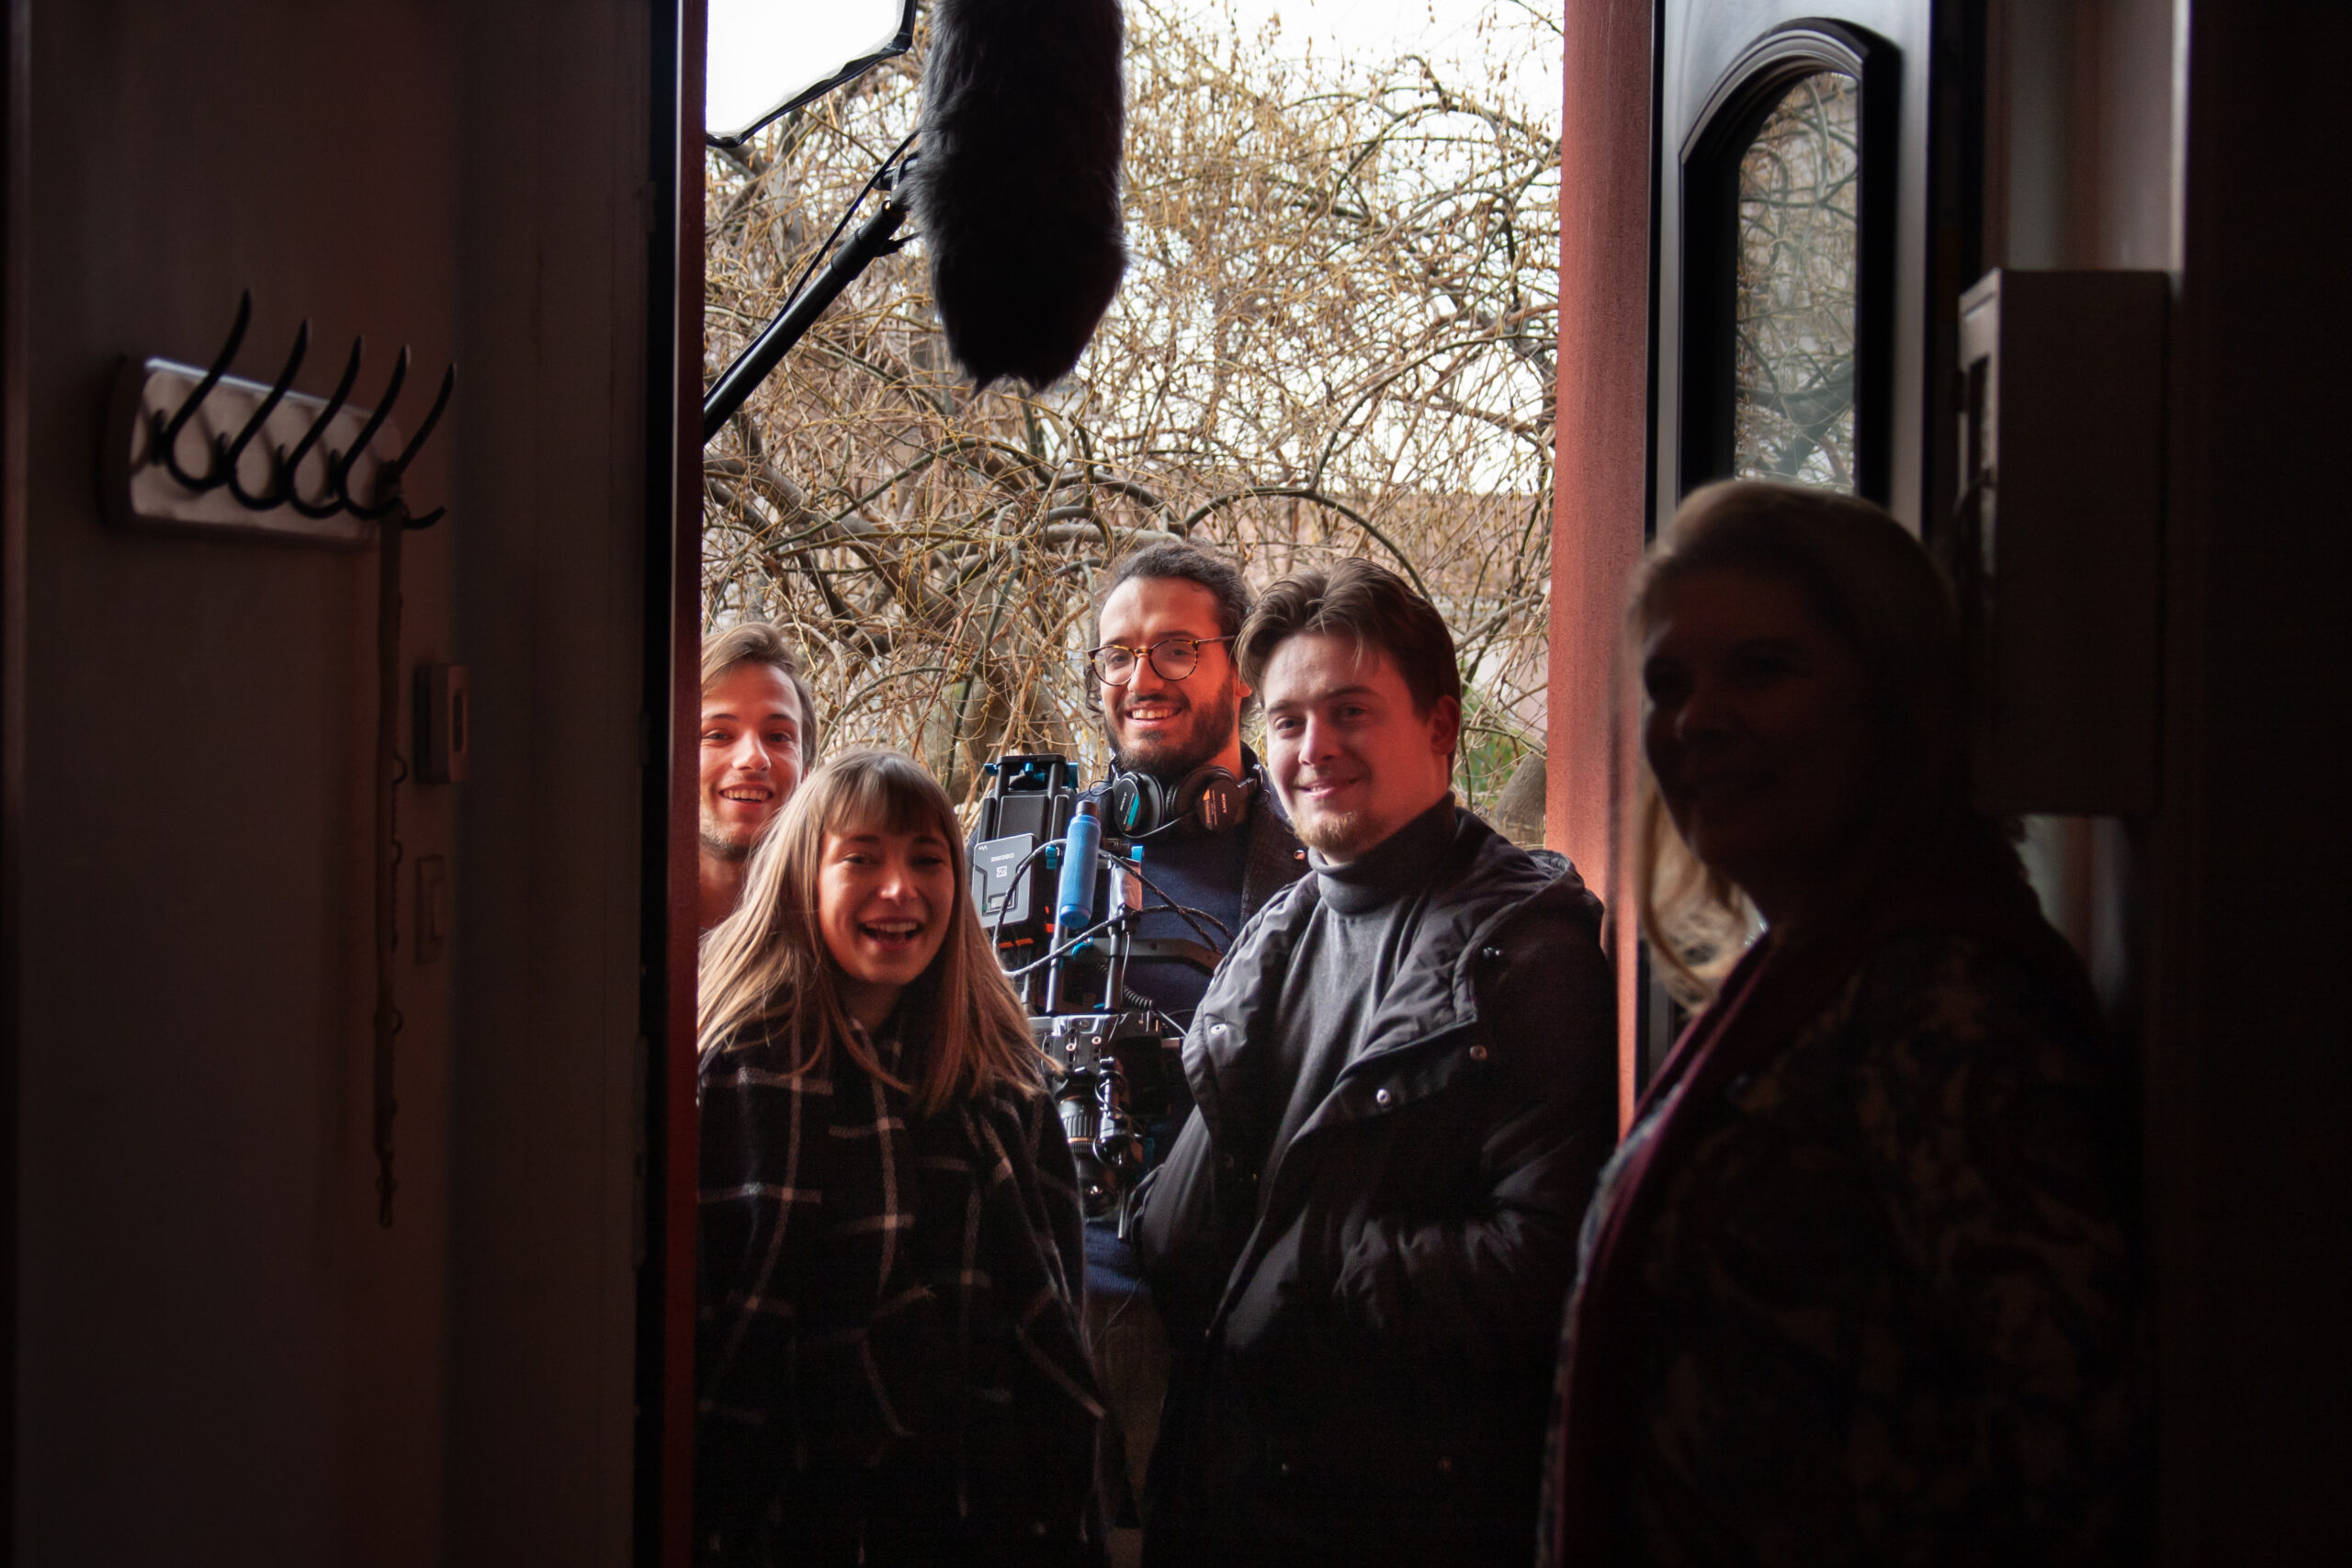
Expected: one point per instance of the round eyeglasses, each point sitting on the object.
(1173, 659)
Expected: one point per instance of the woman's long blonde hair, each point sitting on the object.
(962, 1028)
(1874, 588)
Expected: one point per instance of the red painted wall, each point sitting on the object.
(1601, 459)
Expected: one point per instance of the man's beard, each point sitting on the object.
(1341, 834)
(1170, 758)
(718, 845)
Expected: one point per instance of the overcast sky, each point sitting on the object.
(1446, 31)
(1361, 26)
(761, 49)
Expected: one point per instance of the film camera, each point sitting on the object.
(1060, 901)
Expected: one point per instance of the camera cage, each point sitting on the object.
(1115, 1056)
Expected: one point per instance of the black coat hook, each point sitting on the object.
(167, 439)
(416, 445)
(339, 464)
(268, 405)
(290, 490)
(431, 418)
(389, 476)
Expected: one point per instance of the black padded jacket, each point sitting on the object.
(1365, 1348)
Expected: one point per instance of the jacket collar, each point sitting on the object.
(1481, 885)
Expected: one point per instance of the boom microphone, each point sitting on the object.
(1017, 185)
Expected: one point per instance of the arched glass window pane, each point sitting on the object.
(1794, 316)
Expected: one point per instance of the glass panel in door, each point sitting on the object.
(1797, 261)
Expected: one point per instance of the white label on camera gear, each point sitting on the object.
(1127, 891)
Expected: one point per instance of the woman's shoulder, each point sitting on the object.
(1926, 992)
(1953, 1047)
(763, 1053)
(1022, 1100)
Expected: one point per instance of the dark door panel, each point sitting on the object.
(1794, 328)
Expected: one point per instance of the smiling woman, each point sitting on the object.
(1754, 730)
(890, 1244)
(1800, 658)
(883, 900)
(1858, 1283)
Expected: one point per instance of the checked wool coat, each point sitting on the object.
(889, 1366)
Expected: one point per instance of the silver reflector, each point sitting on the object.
(768, 56)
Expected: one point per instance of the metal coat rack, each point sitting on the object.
(201, 451)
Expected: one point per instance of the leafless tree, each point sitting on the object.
(1335, 338)
(1798, 239)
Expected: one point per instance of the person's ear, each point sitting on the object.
(1445, 725)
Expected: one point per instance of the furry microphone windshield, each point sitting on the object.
(1016, 185)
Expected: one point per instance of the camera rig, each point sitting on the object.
(1041, 870)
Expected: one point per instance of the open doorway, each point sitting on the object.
(1336, 338)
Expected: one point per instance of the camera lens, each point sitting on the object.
(1098, 1184)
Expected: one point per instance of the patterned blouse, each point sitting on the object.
(1887, 1307)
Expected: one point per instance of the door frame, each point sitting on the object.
(1628, 92)
(667, 1158)
(1707, 50)
(15, 182)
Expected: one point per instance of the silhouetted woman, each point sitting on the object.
(1856, 1287)
(888, 1355)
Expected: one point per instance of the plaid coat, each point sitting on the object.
(888, 1359)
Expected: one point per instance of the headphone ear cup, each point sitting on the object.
(1213, 798)
(1222, 801)
(1138, 805)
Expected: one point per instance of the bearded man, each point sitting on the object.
(1181, 781)
(1215, 843)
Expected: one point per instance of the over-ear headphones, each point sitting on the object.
(1209, 795)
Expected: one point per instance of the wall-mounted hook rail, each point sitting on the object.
(201, 450)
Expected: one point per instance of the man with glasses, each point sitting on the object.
(1181, 781)
(1215, 843)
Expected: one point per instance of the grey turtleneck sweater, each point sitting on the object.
(1366, 916)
